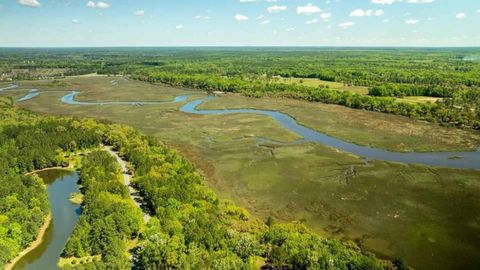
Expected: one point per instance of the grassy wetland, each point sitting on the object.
(424, 215)
(240, 135)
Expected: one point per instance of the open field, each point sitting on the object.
(362, 90)
(387, 208)
(420, 99)
(312, 82)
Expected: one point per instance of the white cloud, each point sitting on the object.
(389, 2)
(265, 22)
(326, 16)
(75, 21)
(139, 13)
(366, 13)
(312, 21)
(420, 1)
(240, 17)
(180, 26)
(91, 4)
(411, 21)
(276, 8)
(29, 3)
(461, 15)
(308, 9)
(384, 2)
(201, 17)
(100, 4)
(345, 25)
(290, 29)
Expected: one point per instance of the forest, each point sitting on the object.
(389, 73)
(109, 218)
(28, 143)
(192, 228)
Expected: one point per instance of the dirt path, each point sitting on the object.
(126, 178)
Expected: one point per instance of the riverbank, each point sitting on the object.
(48, 169)
(41, 233)
(34, 244)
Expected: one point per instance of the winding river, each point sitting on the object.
(465, 160)
(65, 214)
(12, 86)
(61, 183)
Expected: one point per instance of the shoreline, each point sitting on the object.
(41, 232)
(51, 168)
(33, 245)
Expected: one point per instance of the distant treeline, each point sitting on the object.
(355, 66)
(402, 90)
(450, 113)
(387, 72)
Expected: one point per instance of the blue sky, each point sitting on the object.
(58, 23)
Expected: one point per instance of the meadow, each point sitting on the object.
(313, 82)
(425, 215)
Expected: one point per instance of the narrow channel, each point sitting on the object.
(461, 160)
(61, 183)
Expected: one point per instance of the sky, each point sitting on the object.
(80, 23)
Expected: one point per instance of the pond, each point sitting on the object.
(61, 183)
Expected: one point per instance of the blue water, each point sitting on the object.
(444, 159)
(61, 184)
(466, 160)
(13, 86)
(70, 99)
(33, 93)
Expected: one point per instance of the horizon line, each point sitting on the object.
(241, 46)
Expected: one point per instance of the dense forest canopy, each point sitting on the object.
(28, 143)
(109, 218)
(358, 66)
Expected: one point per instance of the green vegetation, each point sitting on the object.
(401, 90)
(393, 209)
(307, 181)
(388, 72)
(223, 235)
(313, 82)
(445, 113)
(358, 126)
(23, 209)
(76, 198)
(29, 143)
(109, 218)
(193, 229)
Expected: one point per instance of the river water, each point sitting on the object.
(463, 242)
(61, 183)
(464, 160)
